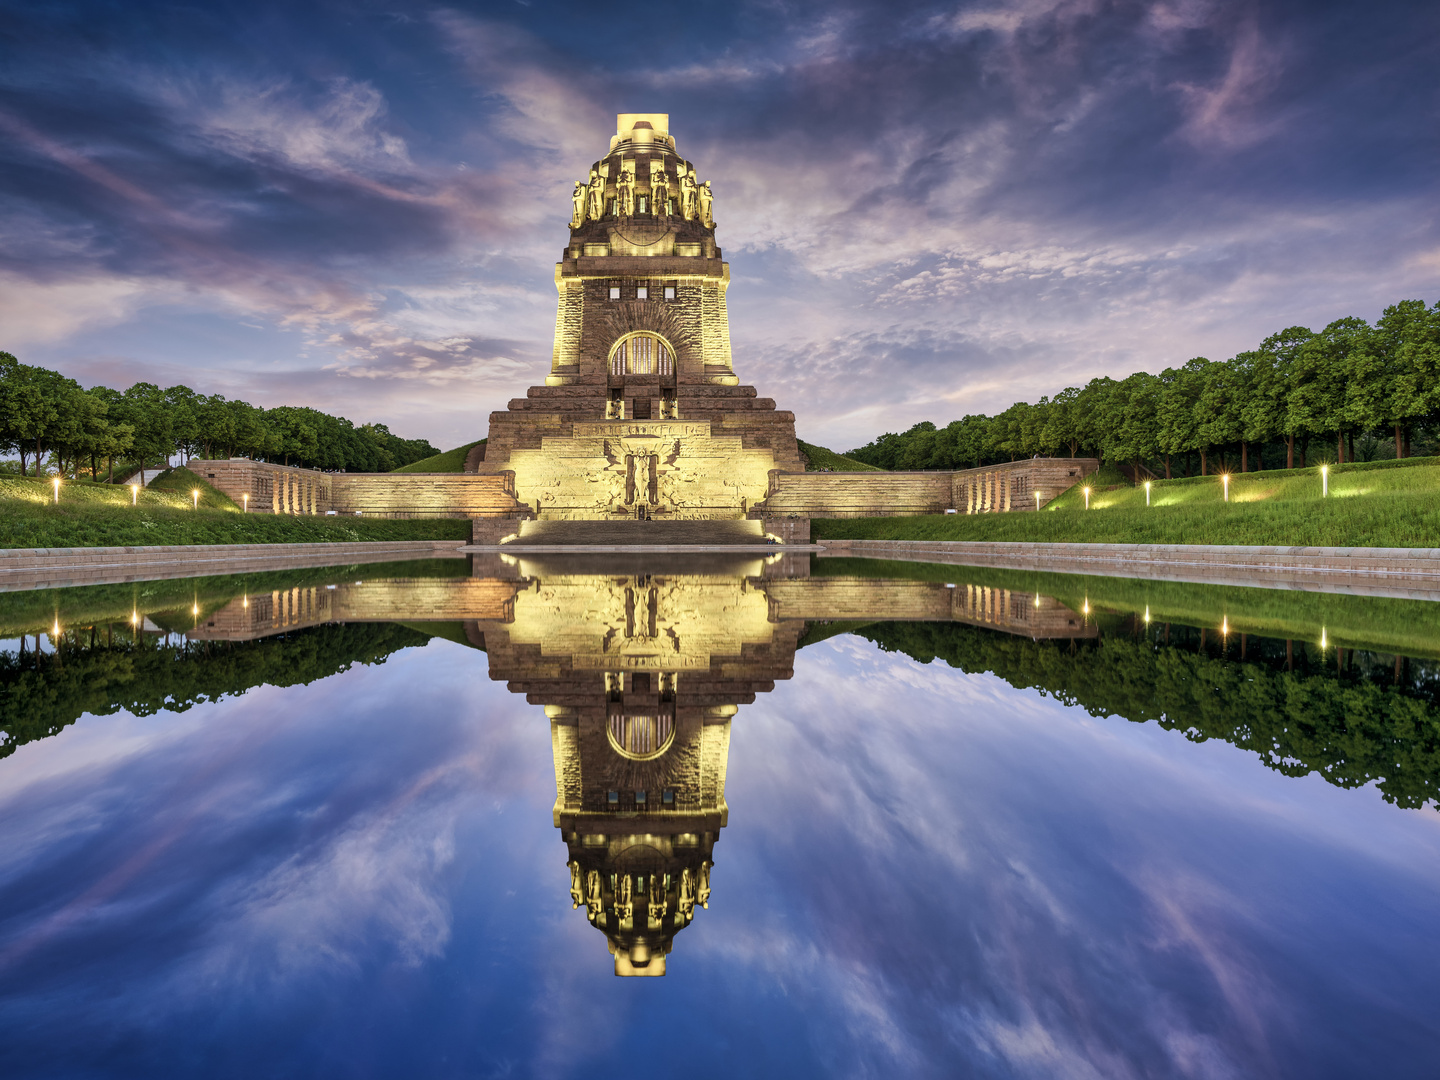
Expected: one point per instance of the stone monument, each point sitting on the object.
(642, 415)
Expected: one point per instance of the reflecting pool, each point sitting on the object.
(865, 819)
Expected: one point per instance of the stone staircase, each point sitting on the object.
(627, 532)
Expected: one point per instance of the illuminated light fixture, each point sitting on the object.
(134, 618)
(245, 602)
(55, 631)
(1037, 599)
(1225, 483)
(1086, 609)
(246, 497)
(1225, 627)
(1324, 481)
(57, 490)
(134, 494)
(1086, 489)
(1037, 501)
(195, 497)
(1147, 614)
(1322, 639)
(1147, 492)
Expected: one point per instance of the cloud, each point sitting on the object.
(1079, 188)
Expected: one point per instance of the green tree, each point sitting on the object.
(1177, 410)
(1407, 337)
(1219, 414)
(1132, 433)
(1062, 428)
(1289, 373)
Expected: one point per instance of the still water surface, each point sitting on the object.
(896, 822)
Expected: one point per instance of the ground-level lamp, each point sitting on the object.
(1322, 639)
(246, 498)
(1147, 492)
(56, 482)
(1147, 614)
(1037, 501)
(1225, 483)
(1086, 489)
(195, 497)
(1324, 480)
(134, 494)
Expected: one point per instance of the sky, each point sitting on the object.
(929, 209)
(362, 877)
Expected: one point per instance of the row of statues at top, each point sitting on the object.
(693, 889)
(695, 200)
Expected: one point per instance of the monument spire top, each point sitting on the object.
(642, 128)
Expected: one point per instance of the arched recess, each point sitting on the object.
(641, 737)
(642, 352)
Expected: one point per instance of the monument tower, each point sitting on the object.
(642, 415)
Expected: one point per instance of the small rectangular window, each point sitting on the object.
(639, 796)
(614, 292)
(668, 796)
(640, 204)
(669, 292)
(642, 293)
(613, 798)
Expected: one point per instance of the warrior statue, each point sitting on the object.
(578, 197)
(625, 188)
(687, 197)
(707, 200)
(686, 904)
(658, 903)
(659, 189)
(594, 895)
(624, 899)
(597, 196)
(702, 893)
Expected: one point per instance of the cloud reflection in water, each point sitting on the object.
(926, 873)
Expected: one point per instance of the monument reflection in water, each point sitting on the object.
(640, 671)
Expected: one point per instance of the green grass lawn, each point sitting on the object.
(449, 461)
(820, 458)
(101, 515)
(1380, 504)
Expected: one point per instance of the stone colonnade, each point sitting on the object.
(1015, 485)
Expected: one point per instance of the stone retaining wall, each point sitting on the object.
(46, 568)
(1010, 487)
(281, 489)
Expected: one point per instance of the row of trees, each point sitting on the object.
(1349, 380)
(44, 413)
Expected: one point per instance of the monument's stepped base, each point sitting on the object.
(609, 533)
(552, 411)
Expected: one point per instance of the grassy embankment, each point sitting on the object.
(820, 458)
(1378, 623)
(101, 515)
(449, 461)
(1376, 504)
